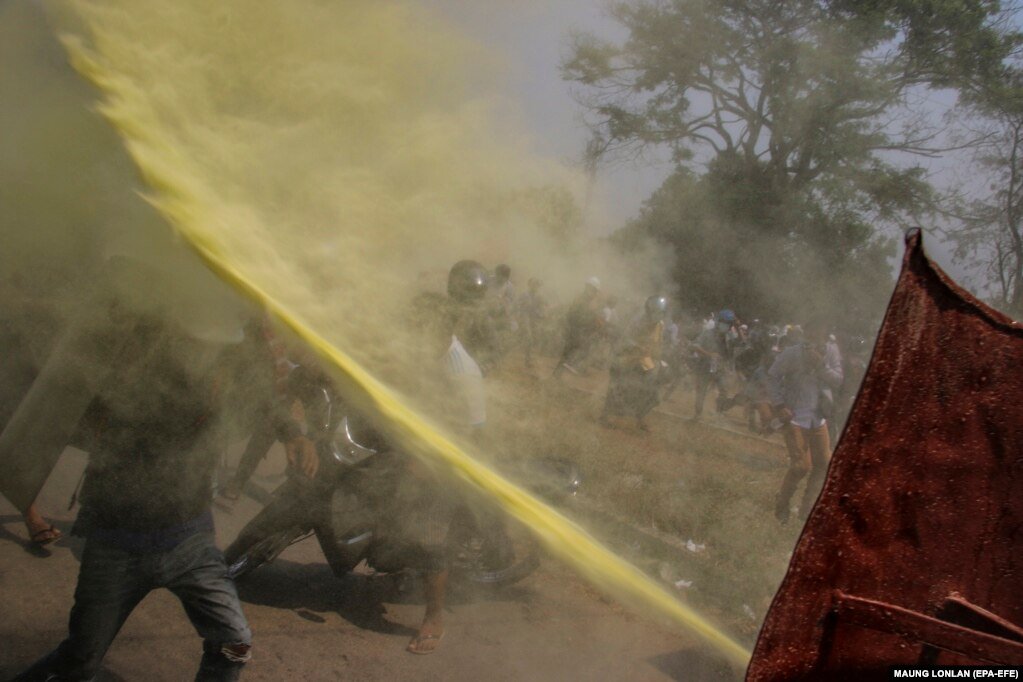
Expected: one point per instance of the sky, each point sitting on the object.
(531, 39)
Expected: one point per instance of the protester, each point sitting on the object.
(605, 340)
(755, 394)
(264, 360)
(422, 508)
(532, 311)
(633, 388)
(610, 324)
(145, 503)
(582, 325)
(710, 352)
(501, 308)
(800, 382)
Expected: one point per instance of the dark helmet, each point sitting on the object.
(656, 306)
(467, 281)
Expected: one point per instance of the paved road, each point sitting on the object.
(309, 626)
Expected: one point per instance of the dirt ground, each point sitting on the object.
(310, 626)
(706, 483)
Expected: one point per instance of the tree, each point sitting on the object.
(793, 113)
(989, 232)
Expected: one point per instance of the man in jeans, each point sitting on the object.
(799, 383)
(710, 353)
(145, 504)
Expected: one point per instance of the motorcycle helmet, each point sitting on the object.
(656, 306)
(467, 281)
(359, 439)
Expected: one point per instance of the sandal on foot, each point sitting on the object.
(45, 536)
(413, 646)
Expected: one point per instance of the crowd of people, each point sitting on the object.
(791, 378)
(146, 494)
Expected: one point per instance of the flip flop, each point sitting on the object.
(423, 638)
(46, 536)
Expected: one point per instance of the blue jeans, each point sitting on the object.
(111, 583)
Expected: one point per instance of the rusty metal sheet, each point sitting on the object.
(920, 521)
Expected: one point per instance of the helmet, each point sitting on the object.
(656, 306)
(467, 281)
(726, 315)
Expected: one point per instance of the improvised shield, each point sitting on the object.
(913, 553)
(48, 416)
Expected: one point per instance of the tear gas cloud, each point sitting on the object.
(342, 156)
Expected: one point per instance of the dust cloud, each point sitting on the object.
(341, 156)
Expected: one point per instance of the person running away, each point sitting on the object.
(710, 351)
(582, 326)
(633, 389)
(146, 503)
(800, 383)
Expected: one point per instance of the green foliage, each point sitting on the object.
(554, 209)
(790, 126)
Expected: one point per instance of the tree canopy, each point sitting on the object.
(791, 122)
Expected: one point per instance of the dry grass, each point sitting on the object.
(676, 483)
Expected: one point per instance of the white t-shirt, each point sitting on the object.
(467, 384)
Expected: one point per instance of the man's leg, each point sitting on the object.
(195, 572)
(721, 397)
(111, 583)
(702, 384)
(819, 445)
(432, 629)
(763, 410)
(566, 353)
(528, 339)
(799, 465)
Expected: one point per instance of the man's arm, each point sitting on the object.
(291, 429)
(831, 372)
(781, 367)
(701, 343)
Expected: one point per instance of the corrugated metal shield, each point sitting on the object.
(914, 551)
